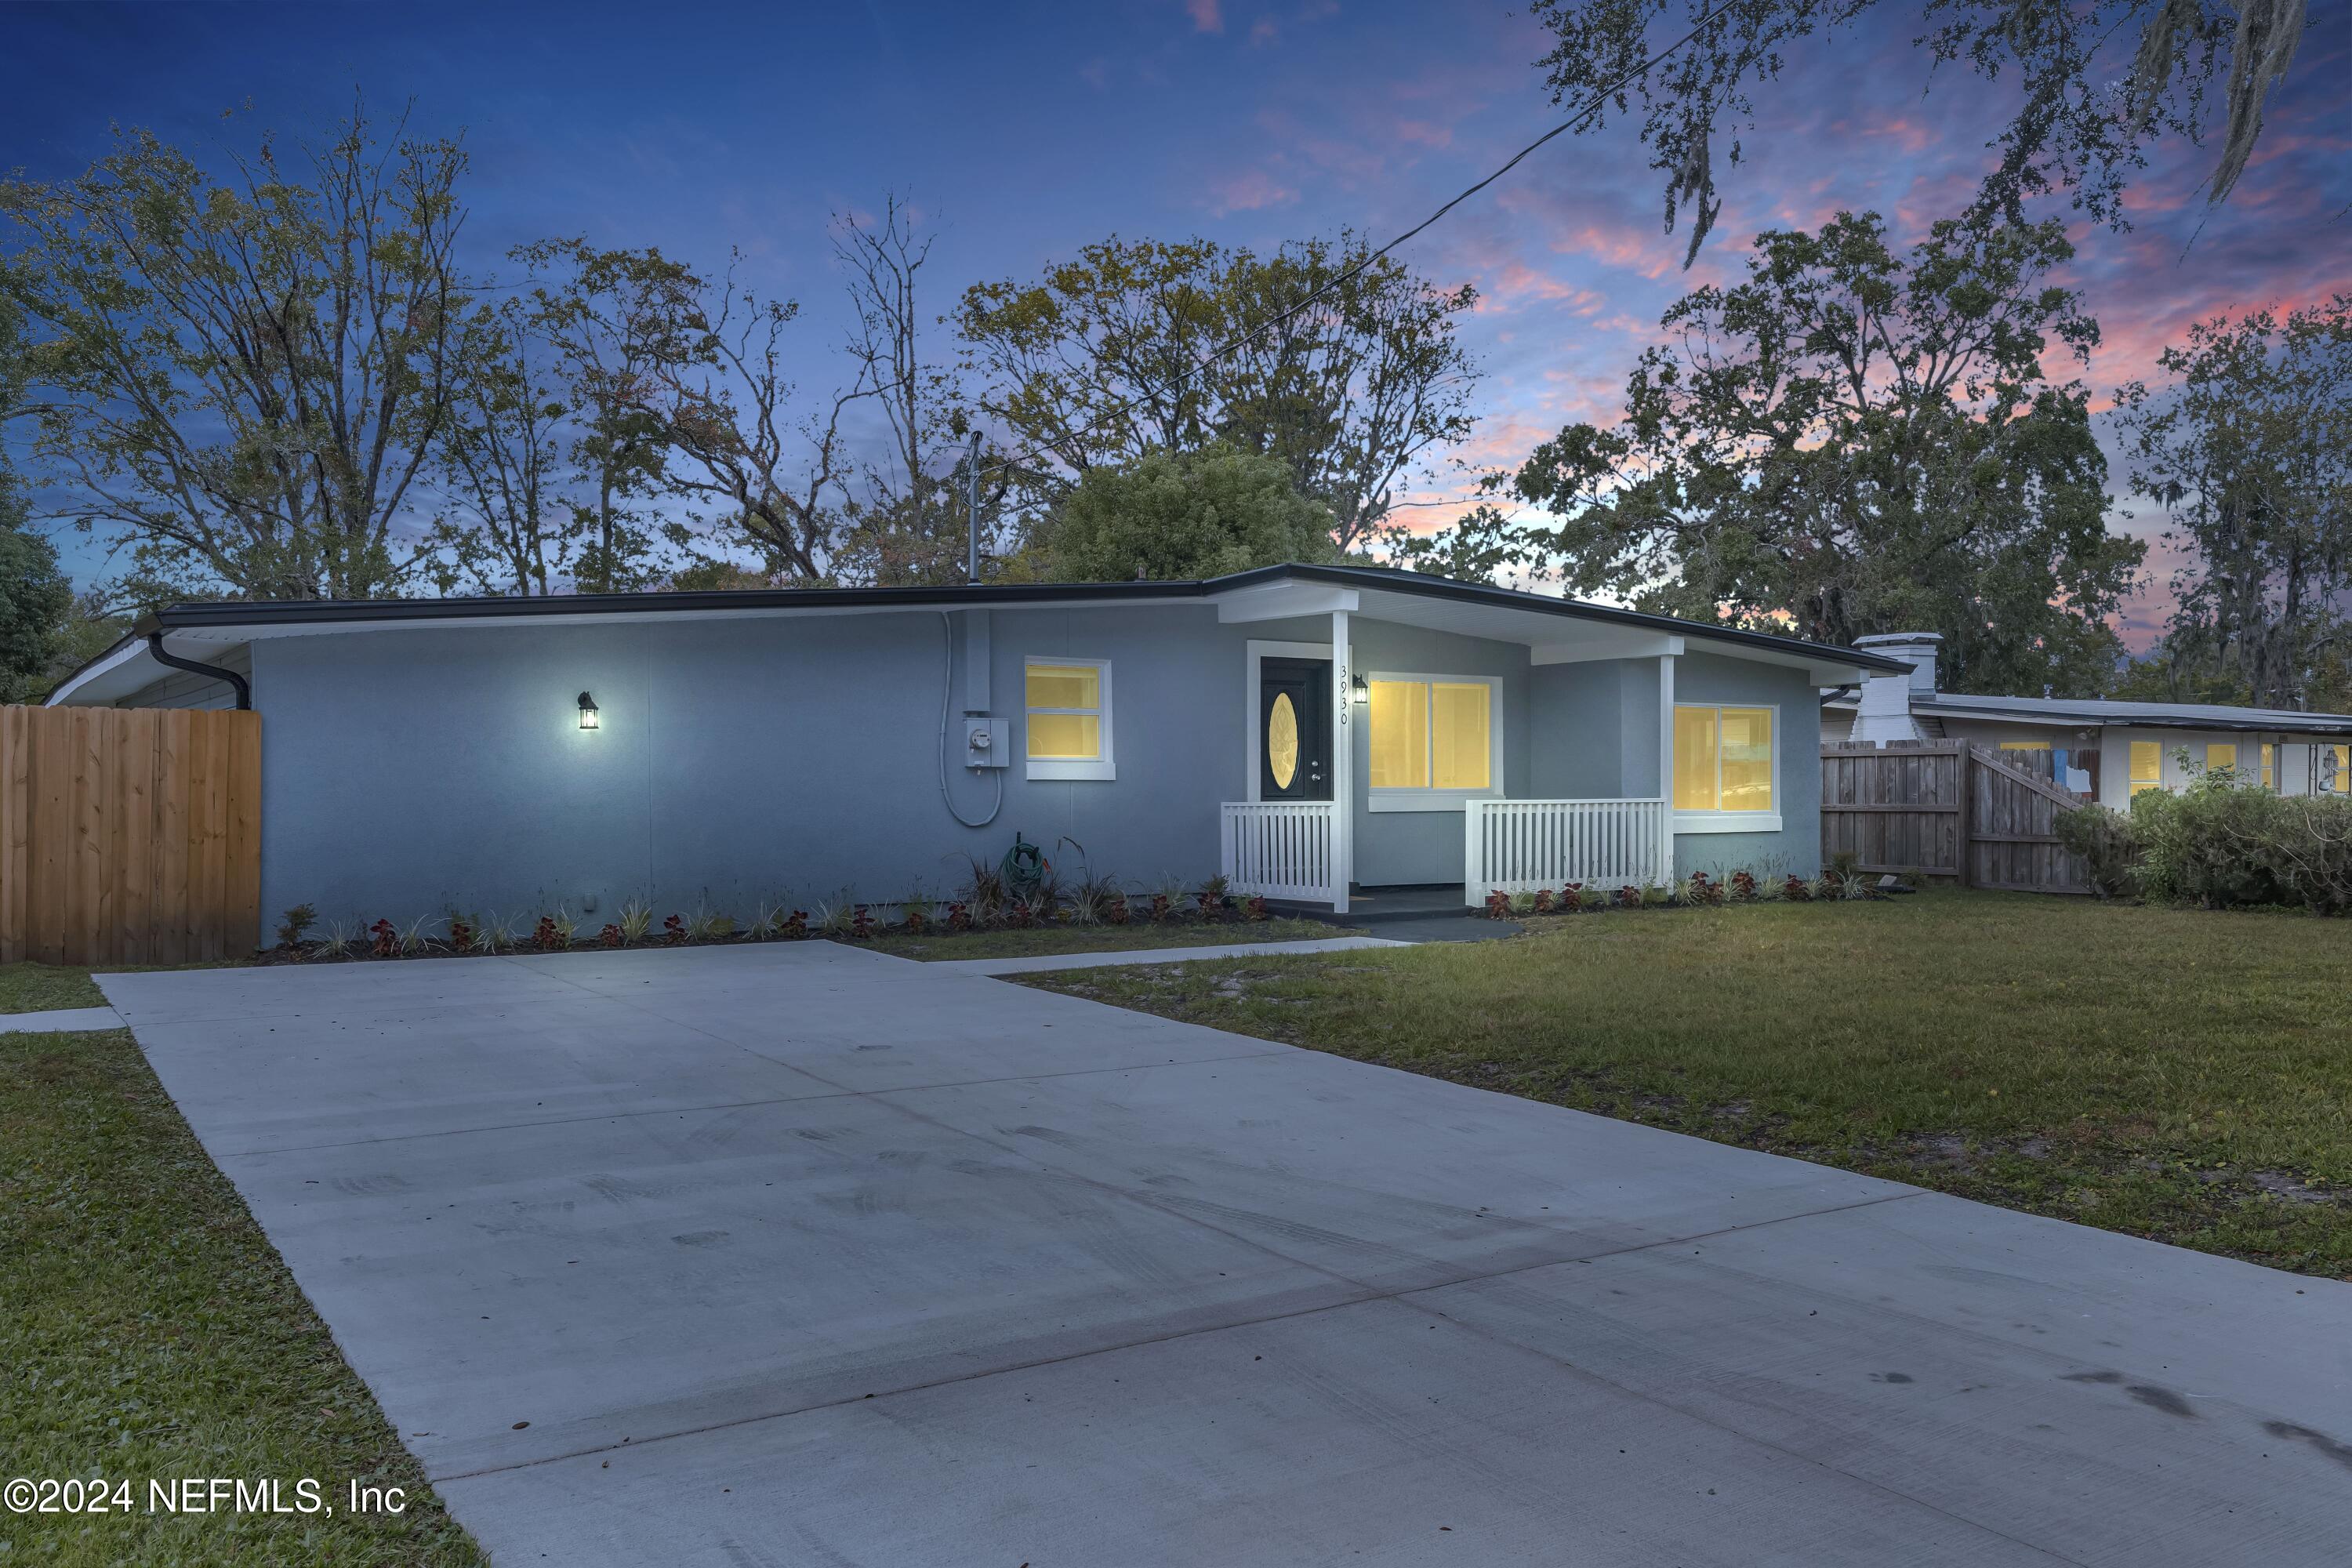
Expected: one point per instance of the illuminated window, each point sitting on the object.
(2219, 756)
(2269, 779)
(1068, 703)
(1723, 759)
(2025, 746)
(2341, 783)
(1429, 735)
(2147, 765)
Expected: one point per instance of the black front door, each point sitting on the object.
(1294, 728)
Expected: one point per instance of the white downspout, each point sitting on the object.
(1343, 766)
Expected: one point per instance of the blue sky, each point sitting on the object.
(1024, 130)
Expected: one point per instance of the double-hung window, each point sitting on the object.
(2269, 775)
(1435, 740)
(2340, 781)
(1727, 769)
(2220, 756)
(1068, 718)
(2147, 765)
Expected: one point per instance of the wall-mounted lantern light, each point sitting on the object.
(1358, 692)
(587, 711)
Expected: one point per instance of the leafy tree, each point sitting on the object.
(2247, 448)
(2086, 117)
(246, 375)
(34, 595)
(1850, 442)
(1181, 516)
(1101, 361)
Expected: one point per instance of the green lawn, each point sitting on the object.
(148, 1329)
(1041, 940)
(2175, 1074)
(38, 987)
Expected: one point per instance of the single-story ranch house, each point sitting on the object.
(2106, 751)
(1310, 731)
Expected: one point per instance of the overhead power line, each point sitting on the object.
(1577, 121)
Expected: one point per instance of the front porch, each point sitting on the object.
(1401, 736)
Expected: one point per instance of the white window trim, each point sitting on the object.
(1733, 821)
(1439, 799)
(1102, 767)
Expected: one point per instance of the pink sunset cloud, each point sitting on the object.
(1208, 16)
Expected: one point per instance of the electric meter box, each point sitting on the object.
(986, 744)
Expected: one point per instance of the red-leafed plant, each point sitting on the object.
(794, 926)
(461, 935)
(915, 922)
(674, 930)
(959, 916)
(1115, 910)
(1498, 905)
(1743, 886)
(1629, 897)
(610, 936)
(1255, 908)
(1543, 900)
(861, 924)
(1160, 906)
(1796, 889)
(386, 939)
(544, 936)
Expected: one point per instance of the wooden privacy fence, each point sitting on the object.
(1947, 808)
(129, 835)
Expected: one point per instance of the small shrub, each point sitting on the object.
(708, 926)
(636, 918)
(1629, 897)
(610, 936)
(295, 923)
(566, 923)
(1499, 904)
(1523, 904)
(1655, 896)
(795, 926)
(547, 936)
(915, 919)
(337, 943)
(674, 930)
(1574, 896)
(1162, 907)
(384, 939)
(1115, 912)
(1255, 908)
(2108, 842)
(1542, 903)
(1743, 886)
(983, 891)
(861, 924)
(1796, 889)
(461, 935)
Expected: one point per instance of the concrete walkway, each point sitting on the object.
(798, 1254)
(1041, 962)
(59, 1021)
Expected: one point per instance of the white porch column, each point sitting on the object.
(1343, 766)
(1666, 767)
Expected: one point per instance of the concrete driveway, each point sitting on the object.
(798, 1254)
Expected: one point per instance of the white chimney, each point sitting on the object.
(1884, 711)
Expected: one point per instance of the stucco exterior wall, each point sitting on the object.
(1797, 737)
(408, 772)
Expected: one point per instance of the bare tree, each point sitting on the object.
(502, 465)
(245, 376)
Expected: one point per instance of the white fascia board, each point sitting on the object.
(258, 633)
(1626, 644)
(1282, 602)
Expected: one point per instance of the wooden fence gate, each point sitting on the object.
(1947, 808)
(129, 835)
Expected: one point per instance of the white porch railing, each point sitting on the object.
(1520, 845)
(1282, 849)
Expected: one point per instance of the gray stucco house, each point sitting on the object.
(1311, 731)
(2106, 752)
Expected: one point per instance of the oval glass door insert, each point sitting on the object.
(1282, 740)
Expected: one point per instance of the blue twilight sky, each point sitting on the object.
(1024, 130)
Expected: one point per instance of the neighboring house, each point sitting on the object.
(1310, 731)
(2107, 752)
